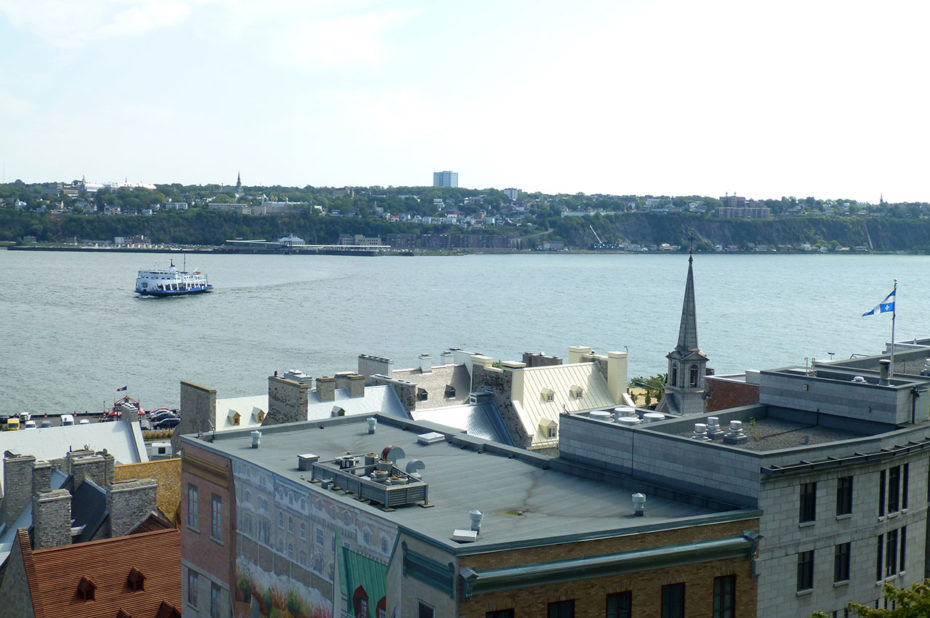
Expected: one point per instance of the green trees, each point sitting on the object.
(913, 602)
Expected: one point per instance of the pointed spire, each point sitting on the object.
(687, 332)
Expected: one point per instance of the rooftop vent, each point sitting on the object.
(431, 437)
(621, 411)
(700, 432)
(476, 518)
(600, 415)
(305, 461)
(464, 536)
(256, 438)
(735, 434)
(653, 417)
(714, 430)
(297, 375)
(372, 424)
(413, 468)
(639, 504)
(628, 421)
(859, 379)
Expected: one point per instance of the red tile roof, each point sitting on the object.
(56, 572)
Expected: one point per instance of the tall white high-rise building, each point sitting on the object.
(445, 179)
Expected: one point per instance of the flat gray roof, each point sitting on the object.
(524, 502)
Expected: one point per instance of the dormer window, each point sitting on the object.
(234, 417)
(576, 392)
(450, 391)
(86, 588)
(422, 394)
(547, 395)
(549, 428)
(136, 579)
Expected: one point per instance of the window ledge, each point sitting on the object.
(892, 515)
(806, 524)
(840, 584)
(193, 529)
(844, 516)
(805, 592)
(216, 540)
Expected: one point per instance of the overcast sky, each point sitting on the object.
(759, 98)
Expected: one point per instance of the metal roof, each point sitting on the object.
(525, 499)
(481, 419)
(377, 399)
(561, 381)
(121, 439)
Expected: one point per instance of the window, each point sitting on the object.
(216, 528)
(725, 596)
(891, 552)
(620, 605)
(562, 609)
(576, 392)
(280, 519)
(894, 488)
(880, 555)
(360, 603)
(841, 562)
(424, 610)
(673, 601)
(86, 589)
(450, 391)
(422, 394)
(808, 510)
(135, 580)
(216, 601)
(693, 379)
(903, 545)
(805, 570)
(192, 587)
(192, 506)
(844, 489)
(500, 613)
(547, 394)
(905, 474)
(674, 380)
(881, 493)
(303, 530)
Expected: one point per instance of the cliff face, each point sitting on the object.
(877, 234)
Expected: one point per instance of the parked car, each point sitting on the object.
(30, 424)
(160, 416)
(167, 423)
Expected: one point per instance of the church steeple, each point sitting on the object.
(687, 332)
(687, 364)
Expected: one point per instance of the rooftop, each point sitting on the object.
(526, 499)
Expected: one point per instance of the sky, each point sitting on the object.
(757, 98)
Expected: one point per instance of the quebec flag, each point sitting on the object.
(885, 306)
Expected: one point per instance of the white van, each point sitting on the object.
(67, 419)
(30, 424)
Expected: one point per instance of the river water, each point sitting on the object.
(72, 331)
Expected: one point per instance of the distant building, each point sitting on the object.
(512, 193)
(445, 179)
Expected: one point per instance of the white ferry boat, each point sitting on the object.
(171, 282)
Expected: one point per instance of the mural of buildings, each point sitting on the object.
(380, 516)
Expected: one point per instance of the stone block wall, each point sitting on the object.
(287, 400)
(129, 502)
(51, 519)
(17, 486)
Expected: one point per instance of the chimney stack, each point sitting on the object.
(326, 388)
(129, 502)
(356, 385)
(51, 519)
(17, 485)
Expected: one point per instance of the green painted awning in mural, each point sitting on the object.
(357, 570)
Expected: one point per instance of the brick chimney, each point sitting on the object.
(129, 502)
(342, 379)
(51, 518)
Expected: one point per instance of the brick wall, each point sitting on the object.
(724, 394)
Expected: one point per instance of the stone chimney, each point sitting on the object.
(356, 385)
(617, 375)
(41, 477)
(287, 400)
(17, 485)
(51, 519)
(342, 379)
(446, 357)
(94, 467)
(129, 502)
(326, 389)
(513, 374)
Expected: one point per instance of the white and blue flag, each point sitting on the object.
(885, 306)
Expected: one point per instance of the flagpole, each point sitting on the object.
(894, 308)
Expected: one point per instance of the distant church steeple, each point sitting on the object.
(238, 184)
(687, 364)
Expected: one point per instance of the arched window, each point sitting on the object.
(360, 603)
(694, 375)
(674, 380)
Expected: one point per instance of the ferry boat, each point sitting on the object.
(171, 282)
